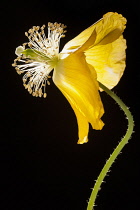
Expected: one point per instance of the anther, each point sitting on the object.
(45, 95)
(48, 82)
(13, 64)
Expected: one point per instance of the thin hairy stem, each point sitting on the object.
(117, 150)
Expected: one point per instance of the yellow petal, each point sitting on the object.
(109, 28)
(83, 125)
(78, 40)
(111, 25)
(108, 61)
(88, 44)
(73, 77)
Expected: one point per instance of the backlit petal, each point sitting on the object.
(108, 29)
(108, 61)
(73, 77)
(79, 40)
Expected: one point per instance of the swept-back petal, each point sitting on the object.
(108, 61)
(83, 124)
(108, 29)
(73, 77)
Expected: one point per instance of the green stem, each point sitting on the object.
(117, 150)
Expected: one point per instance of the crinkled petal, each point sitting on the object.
(108, 29)
(108, 61)
(73, 77)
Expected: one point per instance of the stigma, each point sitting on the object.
(37, 58)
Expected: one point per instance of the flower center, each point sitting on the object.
(40, 58)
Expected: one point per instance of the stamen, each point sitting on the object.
(39, 41)
(45, 51)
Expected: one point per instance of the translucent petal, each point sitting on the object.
(74, 78)
(108, 61)
(111, 24)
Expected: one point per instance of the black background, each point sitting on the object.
(42, 167)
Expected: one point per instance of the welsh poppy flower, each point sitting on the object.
(96, 54)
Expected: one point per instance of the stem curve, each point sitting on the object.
(117, 150)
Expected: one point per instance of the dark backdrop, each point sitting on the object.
(41, 166)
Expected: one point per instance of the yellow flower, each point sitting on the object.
(96, 54)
